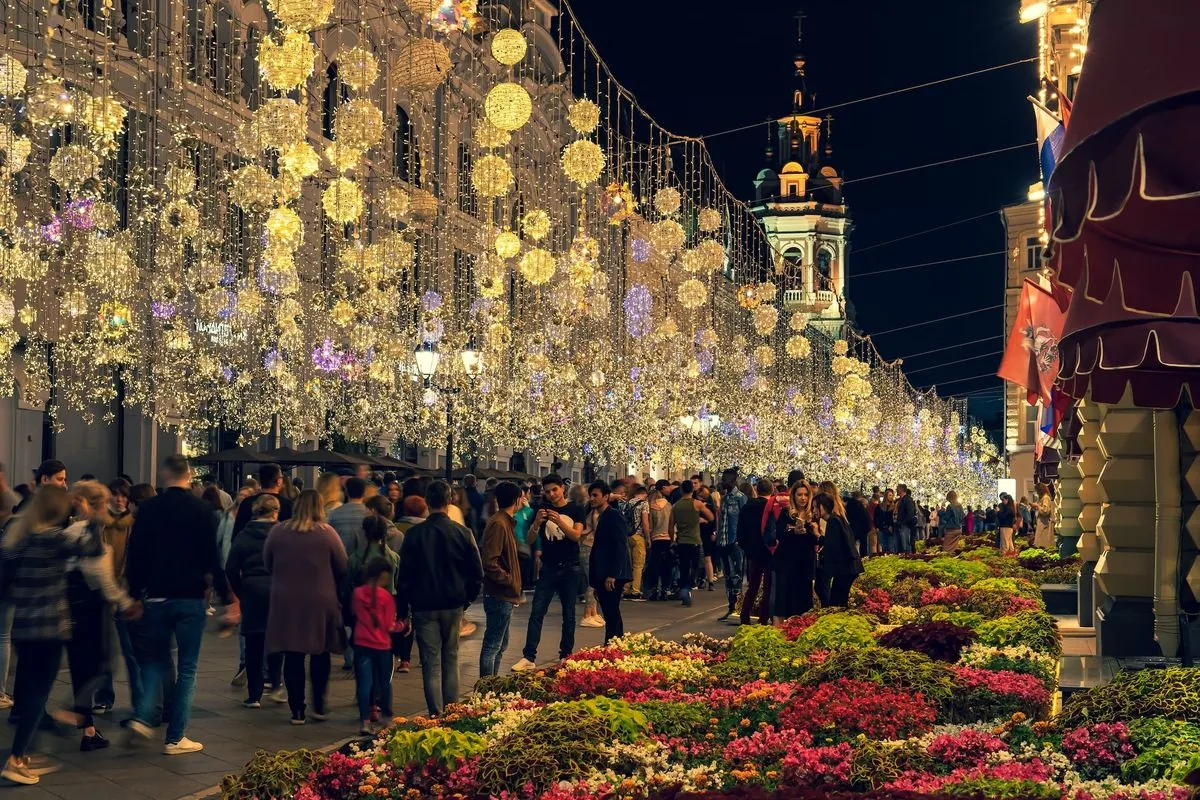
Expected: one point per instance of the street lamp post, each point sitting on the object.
(428, 358)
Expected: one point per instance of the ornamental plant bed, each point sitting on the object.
(936, 683)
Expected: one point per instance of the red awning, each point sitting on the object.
(1126, 203)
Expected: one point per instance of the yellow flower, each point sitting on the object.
(745, 723)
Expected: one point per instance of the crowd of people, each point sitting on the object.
(365, 569)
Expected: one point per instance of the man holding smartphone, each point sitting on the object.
(557, 526)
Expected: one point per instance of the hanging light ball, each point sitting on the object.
(537, 266)
(357, 67)
(765, 318)
(103, 115)
(709, 220)
(583, 161)
(617, 203)
(536, 225)
(748, 296)
(491, 176)
(584, 116)
(359, 124)
(692, 293)
(509, 47)
(489, 137)
(508, 106)
(285, 228)
(691, 261)
(300, 160)
(798, 321)
(421, 65)
(394, 202)
(712, 255)
(12, 75)
(342, 156)
(253, 188)
(666, 201)
(51, 103)
(422, 8)
(302, 15)
(180, 180)
(422, 206)
(508, 244)
(764, 356)
(279, 123)
(8, 310)
(667, 237)
(73, 164)
(342, 201)
(181, 219)
(286, 62)
(16, 151)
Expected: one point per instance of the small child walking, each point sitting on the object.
(374, 623)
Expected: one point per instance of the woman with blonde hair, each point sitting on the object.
(91, 587)
(36, 549)
(795, 557)
(307, 560)
(329, 487)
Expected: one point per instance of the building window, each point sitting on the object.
(1029, 429)
(1033, 253)
(824, 275)
(406, 155)
(793, 190)
(335, 94)
(250, 84)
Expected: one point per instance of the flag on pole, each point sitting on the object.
(1031, 359)
(1051, 137)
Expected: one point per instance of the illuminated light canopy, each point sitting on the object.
(509, 46)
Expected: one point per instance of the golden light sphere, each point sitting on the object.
(692, 293)
(72, 165)
(302, 15)
(422, 206)
(342, 157)
(508, 244)
(394, 202)
(75, 303)
(765, 318)
(300, 160)
(580, 273)
(279, 123)
(748, 296)
(712, 255)
(342, 201)
(285, 228)
(12, 75)
(764, 356)
(8, 309)
(16, 151)
(617, 203)
(178, 339)
(180, 180)
(286, 62)
(666, 237)
(509, 46)
(583, 162)
(357, 67)
(691, 261)
(489, 137)
(709, 220)
(537, 266)
(421, 65)
(50, 103)
(798, 321)
(491, 176)
(397, 253)
(584, 116)
(508, 106)
(666, 201)
(253, 188)
(422, 7)
(103, 115)
(536, 225)
(358, 124)
(181, 219)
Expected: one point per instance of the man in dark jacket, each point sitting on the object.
(906, 520)
(251, 581)
(758, 557)
(440, 575)
(172, 561)
(270, 478)
(860, 522)
(501, 577)
(609, 568)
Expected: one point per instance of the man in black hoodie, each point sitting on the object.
(440, 575)
(758, 556)
(906, 520)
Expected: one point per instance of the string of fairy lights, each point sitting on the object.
(331, 218)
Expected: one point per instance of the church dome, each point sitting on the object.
(792, 168)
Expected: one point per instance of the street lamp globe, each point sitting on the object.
(427, 358)
(472, 359)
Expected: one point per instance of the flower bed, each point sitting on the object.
(948, 699)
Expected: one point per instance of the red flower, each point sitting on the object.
(842, 709)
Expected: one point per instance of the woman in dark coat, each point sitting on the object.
(751, 524)
(306, 560)
(251, 582)
(885, 522)
(795, 559)
(839, 558)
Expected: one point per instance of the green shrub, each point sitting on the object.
(674, 719)
(999, 789)
(1166, 748)
(272, 775)
(443, 745)
(1035, 629)
(959, 572)
(1011, 585)
(907, 591)
(846, 629)
(878, 762)
(530, 685)
(1063, 573)
(896, 669)
(1173, 693)
(760, 651)
(626, 722)
(964, 619)
(881, 571)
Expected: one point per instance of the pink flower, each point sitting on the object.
(926, 783)
(765, 746)
(845, 708)
(966, 748)
(1097, 750)
(952, 596)
(1025, 687)
(818, 765)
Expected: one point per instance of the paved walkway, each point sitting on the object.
(231, 734)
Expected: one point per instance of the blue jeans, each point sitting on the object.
(904, 537)
(437, 642)
(495, 635)
(563, 580)
(887, 540)
(6, 621)
(185, 618)
(105, 695)
(373, 677)
(729, 561)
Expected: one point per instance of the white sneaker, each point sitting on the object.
(279, 695)
(592, 622)
(467, 628)
(5, 701)
(524, 665)
(184, 745)
(140, 728)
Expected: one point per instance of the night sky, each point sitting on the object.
(704, 67)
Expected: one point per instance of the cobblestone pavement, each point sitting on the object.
(231, 734)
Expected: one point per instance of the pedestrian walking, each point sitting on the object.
(440, 575)
(686, 516)
(752, 525)
(250, 580)
(609, 568)
(374, 625)
(728, 554)
(501, 577)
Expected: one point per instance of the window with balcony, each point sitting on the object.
(1033, 253)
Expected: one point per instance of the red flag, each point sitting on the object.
(1031, 359)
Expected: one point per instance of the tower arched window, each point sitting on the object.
(335, 94)
(824, 276)
(406, 155)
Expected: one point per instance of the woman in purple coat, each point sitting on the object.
(307, 560)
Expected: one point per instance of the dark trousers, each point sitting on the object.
(555, 579)
(610, 608)
(372, 680)
(839, 590)
(821, 584)
(437, 642)
(402, 645)
(105, 694)
(729, 560)
(758, 573)
(256, 644)
(658, 568)
(293, 678)
(37, 668)
(87, 654)
(689, 557)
